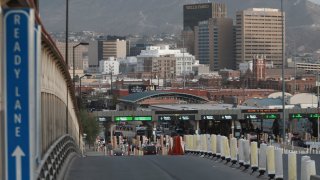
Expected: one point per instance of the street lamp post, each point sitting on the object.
(283, 82)
(318, 103)
(85, 75)
(73, 60)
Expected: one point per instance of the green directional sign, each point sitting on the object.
(297, 116)
(123, 118)
(271, 116)
(314, 116)
(142, 118)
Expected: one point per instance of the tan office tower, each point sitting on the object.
(112, 48)
(80, 53)
(214, 43)
(259, 31)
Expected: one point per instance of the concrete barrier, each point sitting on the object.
(304, 160)
(270, 162)
(254, 156)
(209, 151)
(218, 146)
(241, 152)
(246, 151)
(233, 150)
(279, 164)
(310, 169)
(292, 166)
(223, 156)
(227, 149)
(213, 144)
(194, 143)
(262, 159)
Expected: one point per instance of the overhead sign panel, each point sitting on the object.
(123, 118)
(219, 117)
(142, 118)
(19, 93)
(166, 118)
(178, 117)
(261, 110)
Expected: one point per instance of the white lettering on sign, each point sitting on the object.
(17, 69)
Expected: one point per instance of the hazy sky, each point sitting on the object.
(316, 1)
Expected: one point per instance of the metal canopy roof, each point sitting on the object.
(136, 97)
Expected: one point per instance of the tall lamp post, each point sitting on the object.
(73, 60)
(283, 82)
(85, 75)
(318, 104)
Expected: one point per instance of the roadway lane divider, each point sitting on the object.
(246, 151)
(262, 159)
(254, 156)
(218, 146)
(304, 160)
(241, 152)
(227, 149)
(311, 169)
(270, 162)
(279, 163)
(266, 159)
(213, 144)
(233, 150)
(292, 166)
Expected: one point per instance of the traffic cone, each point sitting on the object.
(177, 148)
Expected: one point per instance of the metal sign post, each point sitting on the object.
(19, 93)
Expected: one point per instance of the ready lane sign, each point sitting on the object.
(19, 94)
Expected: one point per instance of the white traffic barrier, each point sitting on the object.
(311, 169)
(304, 160)
(279, 164)
(202, 142)
(218, 146)
(246, 150)
(233, 150)
(262, 158)
(208, 144)
(223, 156)
(241, 152)
(213, 144)
(254, 156)
(270, 162)
(198, 143)
(227, 149)
(194, 143)
(292, 166)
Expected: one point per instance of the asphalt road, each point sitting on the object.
(154, 167)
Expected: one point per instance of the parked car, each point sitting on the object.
(149, 150)
(298, 142)
(117, 152)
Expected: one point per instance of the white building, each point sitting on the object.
(184, 60)
(111, 65)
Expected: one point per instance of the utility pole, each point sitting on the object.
(283, 81)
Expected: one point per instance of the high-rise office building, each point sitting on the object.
(214, 43)
(112, 48)
(80, 54)
(259, 31)
(192, 14)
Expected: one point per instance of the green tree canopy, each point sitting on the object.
(90, 126)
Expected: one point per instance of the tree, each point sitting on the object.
(90, 126)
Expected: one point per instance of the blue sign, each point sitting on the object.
(18, 94)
